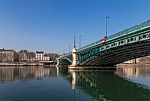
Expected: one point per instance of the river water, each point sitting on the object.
(127, 83)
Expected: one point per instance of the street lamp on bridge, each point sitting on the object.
(74, 45)
(107, 17)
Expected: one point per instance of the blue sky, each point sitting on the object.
(50, 25)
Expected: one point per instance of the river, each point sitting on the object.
(126, 83)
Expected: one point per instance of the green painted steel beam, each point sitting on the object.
(134, 34)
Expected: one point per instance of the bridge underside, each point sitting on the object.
(120, 54)
(64, 62)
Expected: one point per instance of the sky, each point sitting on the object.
(50, 25)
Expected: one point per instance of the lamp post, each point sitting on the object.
(74, 46)
(69, 48)
(107, 17)
(80, 41)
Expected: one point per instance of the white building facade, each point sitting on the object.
(39, 55)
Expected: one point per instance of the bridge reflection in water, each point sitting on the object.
(108, 86)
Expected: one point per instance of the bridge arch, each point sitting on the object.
(64, 61)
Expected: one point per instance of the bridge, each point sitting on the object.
(128, 44)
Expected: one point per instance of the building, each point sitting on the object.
(23, 56)
(39, 55)
(26, 56)
(31, 56)
(46, 57)
(7, 55)
(53, 56)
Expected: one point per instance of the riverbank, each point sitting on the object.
(21, 64)
(122, 65)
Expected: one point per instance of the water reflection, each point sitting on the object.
(85, 85)
(74, 79)
(22, 85)
(139, 74)
(108, 86)
(24, 73)
(133, 70)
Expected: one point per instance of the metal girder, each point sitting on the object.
(122, 46)
(125, 41)
(123, 53)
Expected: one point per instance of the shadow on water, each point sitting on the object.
(108, 86)
(63, 70)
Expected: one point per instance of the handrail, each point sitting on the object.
(134, 28)
(124, 32)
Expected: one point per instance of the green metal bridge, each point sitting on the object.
(128, 44)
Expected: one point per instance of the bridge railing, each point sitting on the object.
(90, 45)
(132, 29)
(124, 32)
(119, 34)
